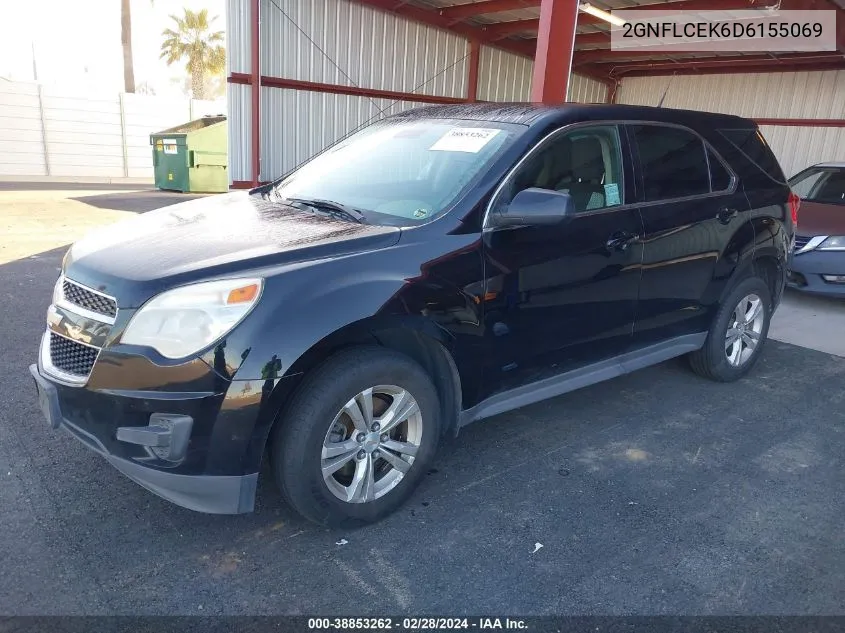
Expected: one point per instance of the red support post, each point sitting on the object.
(255, 80)
(555, 45)
(472, 79)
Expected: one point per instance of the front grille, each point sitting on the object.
(800, 242)
(84, 298)
(71, 357)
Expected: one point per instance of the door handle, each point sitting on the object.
(620, 240)
(725, 215)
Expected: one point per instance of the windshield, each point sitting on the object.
(401, 172)
(825, 185)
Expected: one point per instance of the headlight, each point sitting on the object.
(184, 320)
(833, 243)
(58, 290)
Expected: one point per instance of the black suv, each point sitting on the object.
(439, 267)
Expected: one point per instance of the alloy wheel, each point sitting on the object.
(371, 444)
(744, 330)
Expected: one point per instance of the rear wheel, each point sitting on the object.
(357, 437)
(737, 334)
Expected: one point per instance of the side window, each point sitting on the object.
(832, 190)
(586, 163)
(804, 186)
(673, 162)
(720, 177)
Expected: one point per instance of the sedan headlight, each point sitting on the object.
(58, 290)
(833, 243)
(184, 320)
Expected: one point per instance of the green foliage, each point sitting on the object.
(193, 41)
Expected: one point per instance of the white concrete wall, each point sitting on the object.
(807, 95)
(45, 131)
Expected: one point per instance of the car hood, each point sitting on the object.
(219, 235)
(816, 218)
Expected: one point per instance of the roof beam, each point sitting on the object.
(503, 29)
(433, 18)
(731, 64)
(471, 9)
(723, 70)
(600, 38)
(656, 55)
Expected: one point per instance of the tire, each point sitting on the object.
(717, 360)
(326, 418)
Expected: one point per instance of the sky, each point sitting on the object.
(78, 45)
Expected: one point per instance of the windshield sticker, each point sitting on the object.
(611, 193)
(464, 139)
(420, 213)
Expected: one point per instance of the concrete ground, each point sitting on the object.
(654, 493)
(809, 321)
(39, 217)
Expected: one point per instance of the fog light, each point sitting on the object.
(166, 435)
(834, 279)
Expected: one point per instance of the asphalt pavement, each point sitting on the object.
(654, 493)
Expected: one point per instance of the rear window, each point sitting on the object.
(753, 146)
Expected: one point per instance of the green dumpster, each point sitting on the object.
(192, 156)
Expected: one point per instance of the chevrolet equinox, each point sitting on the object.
(441, 266)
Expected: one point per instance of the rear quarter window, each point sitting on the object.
(752, 147)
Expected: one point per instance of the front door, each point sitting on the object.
(560, 297)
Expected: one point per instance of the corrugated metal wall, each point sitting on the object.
(238, 36)
(299, 124)
(83, 134)
(238, 60)
(361, 47)
(373, 49)
(503, 76)
(810, 95)
(307, 40)
(240, 136)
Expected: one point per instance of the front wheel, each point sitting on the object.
(357, 437)
(737, 335)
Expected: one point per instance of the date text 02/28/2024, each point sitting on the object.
(416, 624)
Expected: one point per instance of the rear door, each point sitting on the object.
(692, 211)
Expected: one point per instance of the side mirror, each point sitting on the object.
(535, 207)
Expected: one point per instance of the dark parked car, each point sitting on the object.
(818, 262)
(439, 267)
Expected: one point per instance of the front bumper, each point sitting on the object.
(807, 272)
(219, 470)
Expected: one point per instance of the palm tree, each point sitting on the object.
(193, 39)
